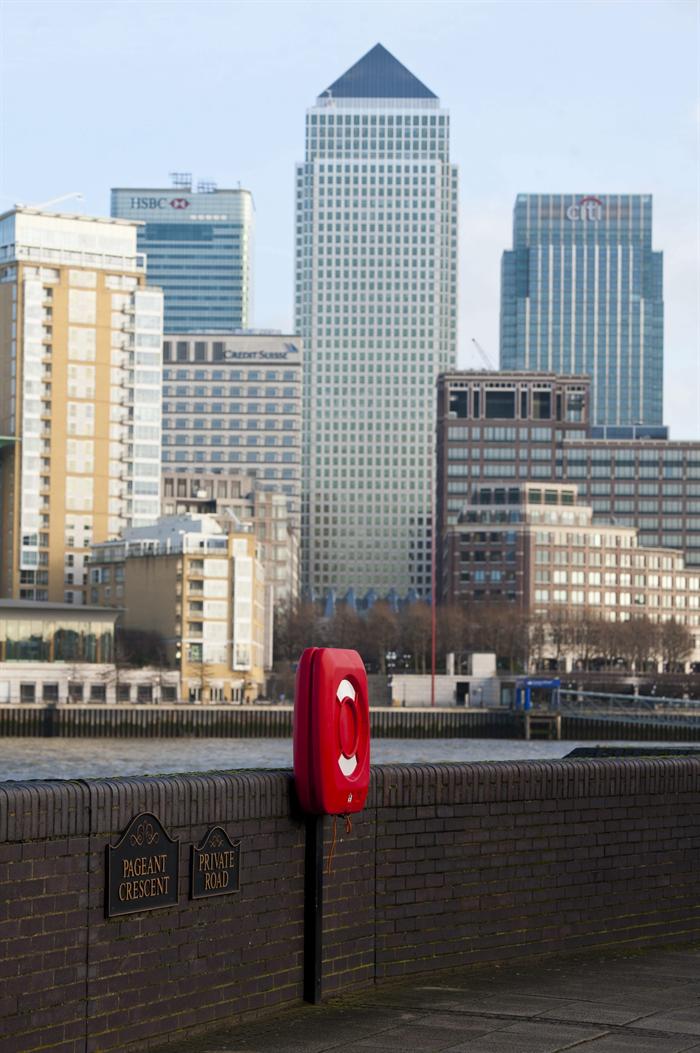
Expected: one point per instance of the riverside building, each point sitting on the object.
(581, 293)
(231, 494)
(80, 394)
(201, 586)
(233, 402)
(511, 427)
(534, 545)
(199, 245)
(376, 305)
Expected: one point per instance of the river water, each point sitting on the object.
(37, 758)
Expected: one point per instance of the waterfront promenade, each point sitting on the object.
(647, 1002)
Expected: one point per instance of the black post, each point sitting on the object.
(313, 909)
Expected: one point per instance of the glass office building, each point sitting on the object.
(581, 293)
(376, 274)
(198, 246)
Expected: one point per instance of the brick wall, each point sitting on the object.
(448, 865)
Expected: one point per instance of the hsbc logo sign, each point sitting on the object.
(159, 202)
(588, 210)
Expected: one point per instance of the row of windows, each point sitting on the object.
(226, 424)
(612, 599)
(249, 375)
(232, 407)
(226, 440)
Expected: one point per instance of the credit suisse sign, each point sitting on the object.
(159, 202)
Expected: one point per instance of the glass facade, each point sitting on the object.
(52, 638)
(198, 248)
(581, 292)
(376, 273)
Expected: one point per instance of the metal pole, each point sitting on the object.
(313, 909)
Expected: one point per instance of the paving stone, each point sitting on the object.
(680, 1021)
(411, 1037)
(462, 1023)
(529, 1037)
(595, 1012)
(628, 1043)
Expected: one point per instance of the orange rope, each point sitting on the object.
(334, 841)
(331, 851)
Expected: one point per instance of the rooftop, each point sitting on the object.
(44, 606)
(378, 75)
(27, 211)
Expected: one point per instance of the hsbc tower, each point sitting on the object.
(198, 246)
(581, 292)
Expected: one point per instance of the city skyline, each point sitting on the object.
(566, 128)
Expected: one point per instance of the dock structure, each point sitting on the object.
(538, 724)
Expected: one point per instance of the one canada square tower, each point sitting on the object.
(376, 304)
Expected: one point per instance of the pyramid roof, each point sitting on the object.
(378, 75)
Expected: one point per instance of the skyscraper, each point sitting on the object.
(376, 306)
(80, 396)
(581, 292)
(199, 248)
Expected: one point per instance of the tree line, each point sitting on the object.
(391, 641)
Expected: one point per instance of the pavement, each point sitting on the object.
(626, 1002)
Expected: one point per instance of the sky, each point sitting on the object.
(587, 97)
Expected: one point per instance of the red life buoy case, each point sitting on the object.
(331, 732)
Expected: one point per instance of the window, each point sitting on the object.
(500, 405)
(541, 405)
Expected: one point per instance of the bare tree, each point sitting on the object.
(537, 644)
(559, 632)
(381, 634)
(453, 632)
(587, 629)
(675, 644)
(639, 642)
(297, 626)
(416, 634)
(345, 629)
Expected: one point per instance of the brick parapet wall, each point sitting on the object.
(447, 865)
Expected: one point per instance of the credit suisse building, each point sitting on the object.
(198, 247)
(232, 403)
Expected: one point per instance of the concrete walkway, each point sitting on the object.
(646, 1002)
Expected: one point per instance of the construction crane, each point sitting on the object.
(52, 201)
(484, 357)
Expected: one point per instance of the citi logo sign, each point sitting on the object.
(589, 209)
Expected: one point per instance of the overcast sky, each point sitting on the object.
(589, 97)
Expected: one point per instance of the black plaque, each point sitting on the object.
(216, 865)
(142, 869)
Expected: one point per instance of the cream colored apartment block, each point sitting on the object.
(203, 590)
(80, 391)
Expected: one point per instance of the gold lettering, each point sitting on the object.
(143, 888)
(216, 879)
